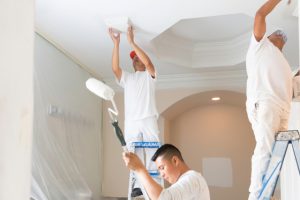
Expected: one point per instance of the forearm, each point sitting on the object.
(267, 8)
(260, 18)
(115, 62)
(140, 53)
(152, 187)
(144, 58)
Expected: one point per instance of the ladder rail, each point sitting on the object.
(271, 177)
(283, 140)
(296, 150)
(133, 147)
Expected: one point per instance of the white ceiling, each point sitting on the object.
(190, 37)
(212, 29)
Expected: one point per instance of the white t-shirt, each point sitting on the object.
(139, 95)
(190, 186)
(269, 74)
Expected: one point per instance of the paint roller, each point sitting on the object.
(105, 92)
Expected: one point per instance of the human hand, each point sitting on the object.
(130, 35)
(114, 36)
(132, 161)
(289, 2)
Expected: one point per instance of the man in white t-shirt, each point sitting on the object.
(187, 184)
(269, 92)
(139, 99)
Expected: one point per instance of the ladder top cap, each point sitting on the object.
(288, 135)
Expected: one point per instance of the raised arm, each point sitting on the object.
(140, 53)
(260, 18)
(151, 186)
(115, 56)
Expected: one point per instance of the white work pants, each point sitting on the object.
(267, 118)
(144, 130)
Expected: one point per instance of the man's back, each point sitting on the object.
(139, 95)
(269, 74)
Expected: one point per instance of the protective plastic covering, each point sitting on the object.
(57, 144)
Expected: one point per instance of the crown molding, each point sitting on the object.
(213, 80)
(193, 53)
(221, 53)
(177, 50)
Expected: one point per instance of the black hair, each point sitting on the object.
(167, 151)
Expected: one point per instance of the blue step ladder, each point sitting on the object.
(282, 140)
(153, 173)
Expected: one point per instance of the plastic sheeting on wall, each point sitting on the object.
(56, 139)
(66, 149)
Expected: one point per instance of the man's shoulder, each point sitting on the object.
(192, 175)
(193, 172)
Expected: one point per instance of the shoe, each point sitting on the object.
(136, 192)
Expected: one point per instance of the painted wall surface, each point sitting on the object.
(290, 177)
(221, 134)
(16, 97)
(77, 124)
(294, 123)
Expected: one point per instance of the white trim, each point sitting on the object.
(213, 80)
(184, 52)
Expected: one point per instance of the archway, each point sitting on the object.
(215, 138)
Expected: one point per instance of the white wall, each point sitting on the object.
(69, 140)
(16, 97)
(216, 140)
(290, 177)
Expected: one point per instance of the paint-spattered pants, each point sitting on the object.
(267, 118)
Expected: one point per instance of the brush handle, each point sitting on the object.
(119, 133)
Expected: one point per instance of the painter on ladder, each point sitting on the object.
(139, 99)
(269, 92)
(187, 184)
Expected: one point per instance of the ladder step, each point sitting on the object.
(153, 173)
(153, 145)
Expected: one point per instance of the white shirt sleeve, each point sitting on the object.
(123, 79)
(255, 45)
(153, 78)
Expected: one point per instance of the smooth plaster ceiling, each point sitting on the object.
(77, 27)
(215, 28)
